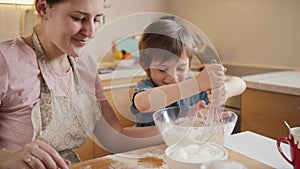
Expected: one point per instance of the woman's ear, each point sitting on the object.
(41, 7)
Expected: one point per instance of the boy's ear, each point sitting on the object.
(146, 69)
(41, 7)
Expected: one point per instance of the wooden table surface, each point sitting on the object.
(152, 157)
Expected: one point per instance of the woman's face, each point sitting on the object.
(170, 71)
(70, 25)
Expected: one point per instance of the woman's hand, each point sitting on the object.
(37, 155)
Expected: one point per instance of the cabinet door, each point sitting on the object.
(119, 95)
(120, 101)
(86, 151)
(90, 150)
(265, 112)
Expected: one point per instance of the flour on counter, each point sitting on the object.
(142, 160)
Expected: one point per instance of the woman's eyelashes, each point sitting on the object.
(98, 20)
(78, 19)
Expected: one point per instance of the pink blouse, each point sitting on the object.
(20, 81)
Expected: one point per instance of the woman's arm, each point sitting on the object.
(114, 138)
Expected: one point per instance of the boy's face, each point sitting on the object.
(170, 71)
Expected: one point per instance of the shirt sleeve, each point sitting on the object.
(142, 86)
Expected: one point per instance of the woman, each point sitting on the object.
(51, 95)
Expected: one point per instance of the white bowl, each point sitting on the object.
(169, 123)
(124, 63)
(194, 156)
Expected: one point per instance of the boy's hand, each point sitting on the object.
(218, 96)
(212, 76)
(215, 84)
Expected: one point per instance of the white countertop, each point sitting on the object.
(286, 82)
(260, 148)
(123, 73)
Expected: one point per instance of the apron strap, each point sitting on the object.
(77, 78)
(45, 91)
(47, 94)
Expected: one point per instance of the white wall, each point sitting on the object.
(123, 18)
(10, 19)
(248, 32)
(245, 32)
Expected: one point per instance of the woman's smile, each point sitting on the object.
(80, 42)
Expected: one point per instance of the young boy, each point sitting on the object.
(165, 55)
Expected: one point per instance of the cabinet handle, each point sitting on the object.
(298, 108)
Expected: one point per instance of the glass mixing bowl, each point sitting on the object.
(183, 124)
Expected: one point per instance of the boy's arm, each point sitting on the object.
(160, 97)
(233, 86)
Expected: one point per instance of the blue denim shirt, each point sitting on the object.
(146, 119)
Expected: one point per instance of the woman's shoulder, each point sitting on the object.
(14, 46)
(12, 42)
(15, 50)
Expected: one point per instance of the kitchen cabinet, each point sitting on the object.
(118, 93)
(264, 112)
(90, 150)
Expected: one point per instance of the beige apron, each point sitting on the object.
(64, 122)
